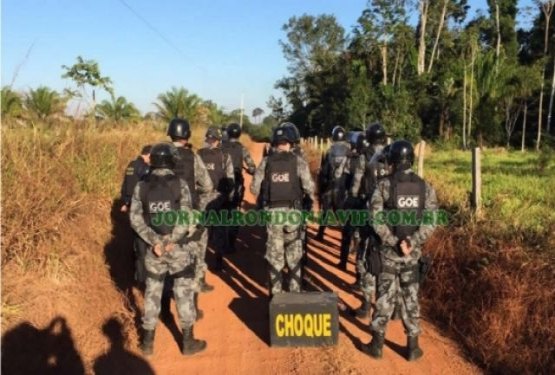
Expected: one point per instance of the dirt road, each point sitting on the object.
(236, 323)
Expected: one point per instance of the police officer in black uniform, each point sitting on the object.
(171, 253)
(332, 176)
(189, 167)
(220, 169)
(281, 179)
(136, 171)
(371, 168)
(240, 157)
(349, 232)
(408, 195)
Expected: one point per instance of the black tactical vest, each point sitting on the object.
(235, 151)
(185, 169)
(338, 157)
(354, 159)
(214, 161)
(407, 194)
(160, 194)
(282, 183)
(374, 171)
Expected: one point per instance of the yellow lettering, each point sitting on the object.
(289, 329)
(317, 325)
(327, 324)
(279, 325)
(298, 325)
(308, 326)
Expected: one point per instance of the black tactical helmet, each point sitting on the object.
(293, 130)
(280, 135)
(234, 130)
(161, 156)
(353, 139)
(382, 157)
(400, 155)
(375, 134)
(179, 128)
(338, 133)
(214, 133)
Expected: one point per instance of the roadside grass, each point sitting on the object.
(59, 185)
(517, 191)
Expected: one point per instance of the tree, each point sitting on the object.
(215, 114)
(547, 10)
(256, 113)
(277, 107)
(12, 105)
(423, 6)
(44, 102)
(445, 9)
(87, 73)
(117, 109)
(503, 21)
(177, 103)
(312, 49)
(378, 25)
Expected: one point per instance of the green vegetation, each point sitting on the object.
(516, 188)
(448, 77)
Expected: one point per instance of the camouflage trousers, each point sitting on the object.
(398, 283)
(367, 281)
(200, 244)
(218, 236)
(284, 244)
(183, 288)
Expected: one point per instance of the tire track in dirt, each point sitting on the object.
(235, 323)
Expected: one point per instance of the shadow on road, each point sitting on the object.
(51, 350)
(119, 360)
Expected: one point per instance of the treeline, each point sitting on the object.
(447, 78)
(49, 106)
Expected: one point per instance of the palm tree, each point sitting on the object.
(12, 105)
(117, 109)
(177, 103)
(216, 115)
(256, 113)
(44, 102)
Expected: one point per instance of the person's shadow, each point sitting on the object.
(118, 360)
(29, 350)
(119, 256)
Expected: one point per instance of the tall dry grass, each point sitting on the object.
(59, 184)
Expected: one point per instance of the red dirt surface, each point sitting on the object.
(235, 323)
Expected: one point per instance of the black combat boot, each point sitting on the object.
(190, 344)
(375, 348)
(413, 350)
(204, 287)
(364, 310)
(147, 343)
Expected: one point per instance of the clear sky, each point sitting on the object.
(218, 49)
